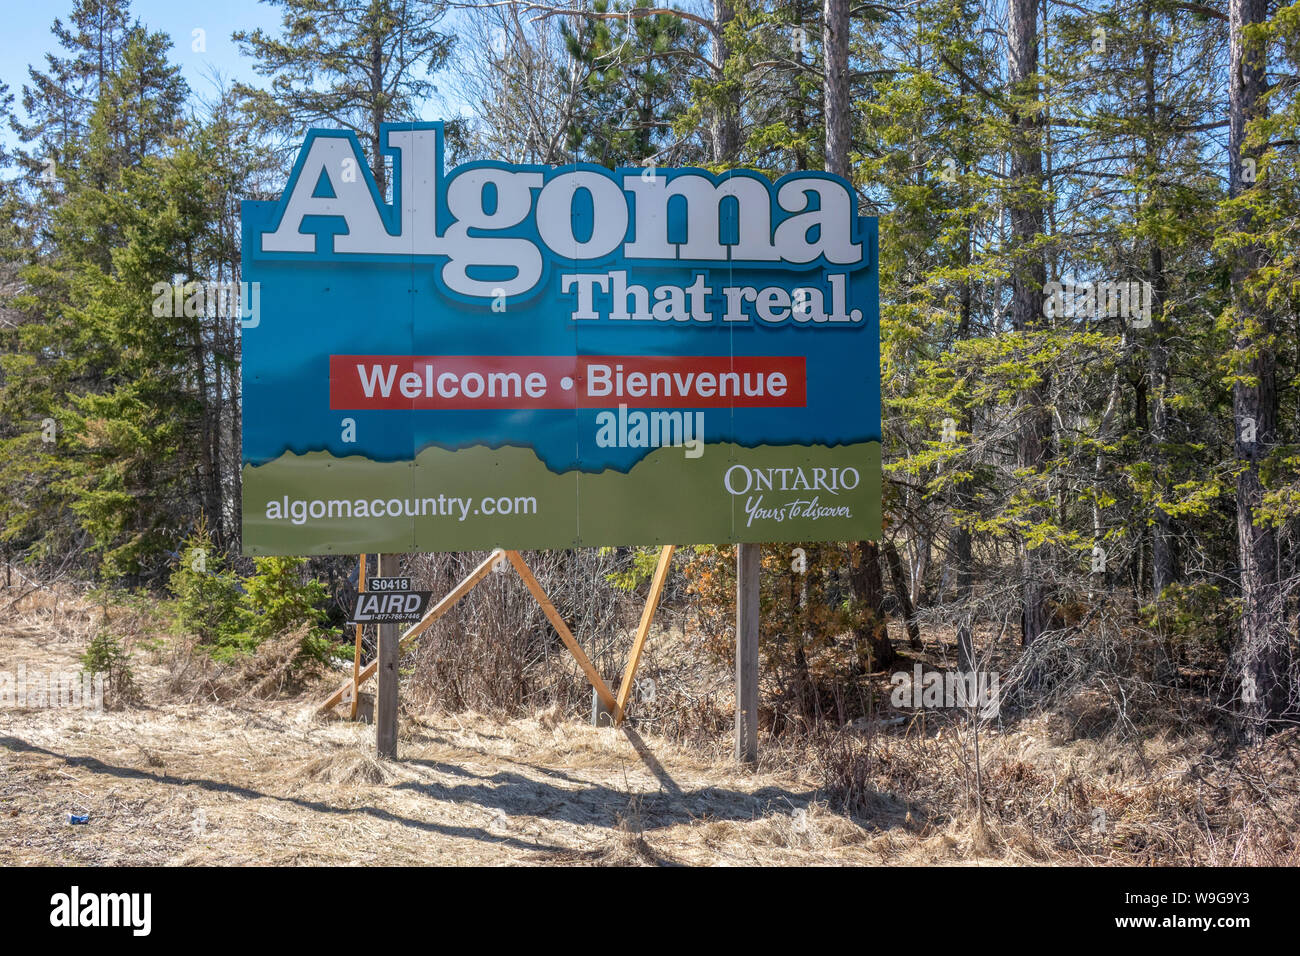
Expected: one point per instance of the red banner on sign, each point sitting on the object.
(362, 382)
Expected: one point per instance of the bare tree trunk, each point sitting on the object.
(797, 95)
(867, 580)
(208, 494)
(1029, 273)
(1163, 557)
(1261, 657)
(809, 706)
(903, 594)
(963, 551)
(835, 41)
(1097, 579)
(869, 588)
(216, 518)
(725, 119)
(965, 587)
(377, 111)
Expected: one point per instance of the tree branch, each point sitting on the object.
(546, 10)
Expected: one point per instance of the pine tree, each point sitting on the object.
(1262, 654)
(106, 391)
(349, 65)
(632, 87)
(59, 101)
(278, 601)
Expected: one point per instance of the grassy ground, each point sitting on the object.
(176, 780)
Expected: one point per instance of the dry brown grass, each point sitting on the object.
(196, 776)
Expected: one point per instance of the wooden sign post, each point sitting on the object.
(387, 659)
(356, 652)
(747, 561)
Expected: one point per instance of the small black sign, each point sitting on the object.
(389, 607)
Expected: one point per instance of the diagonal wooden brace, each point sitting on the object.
(561, 628)
(647, 615)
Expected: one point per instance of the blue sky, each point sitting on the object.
(26, 38)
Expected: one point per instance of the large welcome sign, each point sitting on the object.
(541, 357)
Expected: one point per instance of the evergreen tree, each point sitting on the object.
(350, 64)
(104, 389)
(632, 84)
